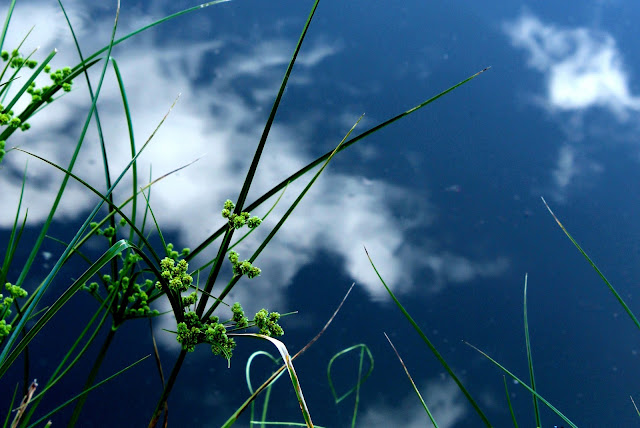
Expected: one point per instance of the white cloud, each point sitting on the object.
(443, 398)
(582, 67)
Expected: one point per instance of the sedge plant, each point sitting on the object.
(131, 275)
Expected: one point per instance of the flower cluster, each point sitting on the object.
(237, 221)
(7, 119)
(175, 275)
(17, 61)
(193, 331)
(268, 323)
(242, 267)
(15, 292)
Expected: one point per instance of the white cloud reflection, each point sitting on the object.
(214, 120)
(443, 398)
(583, 67)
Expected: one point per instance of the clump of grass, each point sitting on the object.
(131, 275)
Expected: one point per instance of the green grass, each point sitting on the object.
(132, 275)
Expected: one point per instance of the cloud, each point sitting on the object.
(583, 68)
(443, 398)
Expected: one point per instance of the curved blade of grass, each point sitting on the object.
(362, 347)
(277, 373)
(506, 390)
(536, 409)
(85, 392)
(541, 398)
(302, 171)
(247, 375)
(153, 24)
(224, 245)
(593, 265)
(415, 388)
(64, 298)
(356, 388)
(431, 347)
(132, 144)
(288, 361)
(104, 198)
(277, 227)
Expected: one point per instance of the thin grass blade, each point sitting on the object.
(593, 265)
(431, 347)
(514, 377)
(302, 171)
(85, 392)
(112, 252)
(224, 245)
(415, 388)
(506, 390)
(536, 409)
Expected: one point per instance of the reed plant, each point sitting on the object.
(132, 275)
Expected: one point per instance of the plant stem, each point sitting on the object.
(92, 377)
(167, 389)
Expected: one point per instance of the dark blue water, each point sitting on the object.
(447, 201)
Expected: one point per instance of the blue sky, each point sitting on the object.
(447, 201)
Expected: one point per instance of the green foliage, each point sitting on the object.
(15, 292)
(131, 275)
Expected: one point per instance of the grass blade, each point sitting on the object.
(415, 388)
(302, 171)
(288, 361)
(64, 298)
(514, 377)
(277, 373)
(356, 388)
(6, 23)
(277, 227)
(506, 390)
(593, 265)
(362, 347)
(213, 275)
(85, 392)
(529, 356)
(432, 347)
